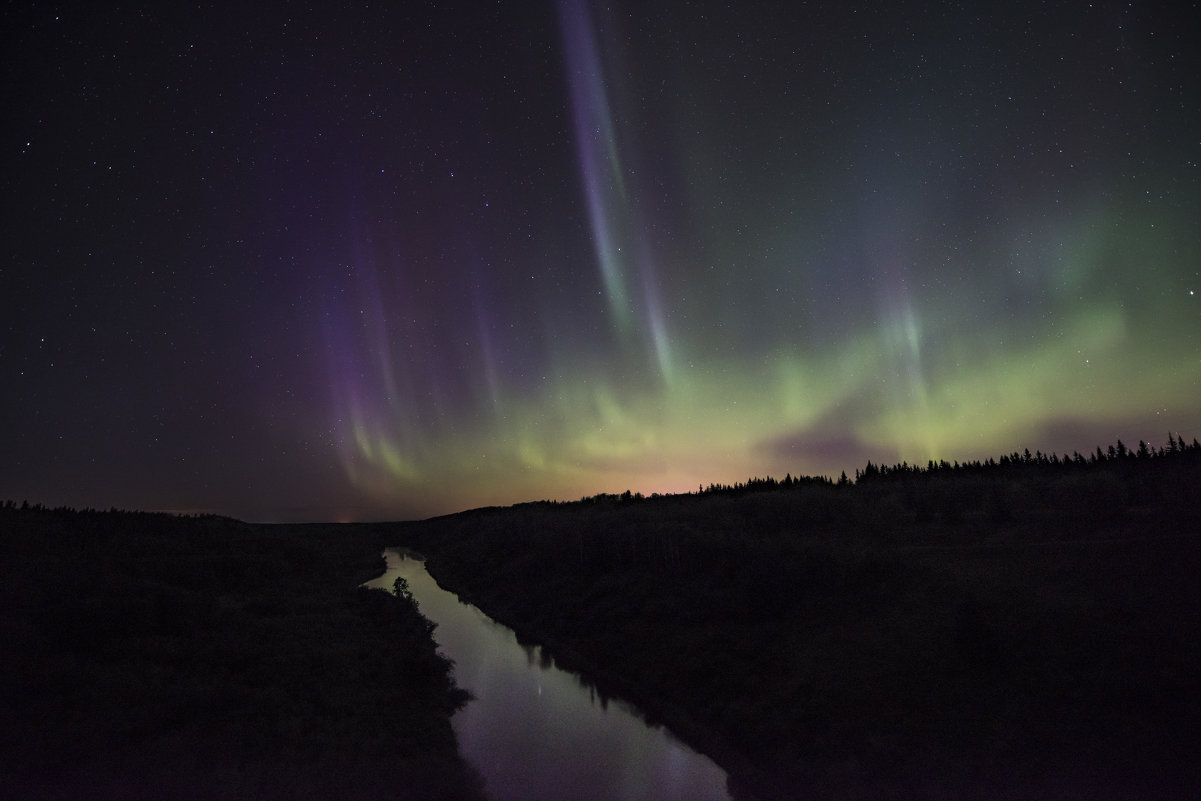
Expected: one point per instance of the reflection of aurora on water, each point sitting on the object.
(536, 731)
(724, 322)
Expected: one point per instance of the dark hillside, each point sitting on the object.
(156, 657)
(1029, 627)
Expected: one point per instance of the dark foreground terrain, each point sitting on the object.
(1029, 628)
(156, 657)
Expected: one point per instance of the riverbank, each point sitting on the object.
(152, 656)
(747, 782)
(845, 642)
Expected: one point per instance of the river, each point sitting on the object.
(537, 732)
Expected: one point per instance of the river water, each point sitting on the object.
(538, 733)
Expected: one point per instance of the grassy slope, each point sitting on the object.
(147, 656)
(1032, 633)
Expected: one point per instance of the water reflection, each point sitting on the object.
(537, 732)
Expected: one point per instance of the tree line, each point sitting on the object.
(1176, 452)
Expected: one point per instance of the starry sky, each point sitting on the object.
(383, 261)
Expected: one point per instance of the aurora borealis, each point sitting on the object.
(381, 262)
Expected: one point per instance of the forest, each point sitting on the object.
(1023, 627)
(1028, 626)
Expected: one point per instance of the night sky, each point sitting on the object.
(368, 261)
